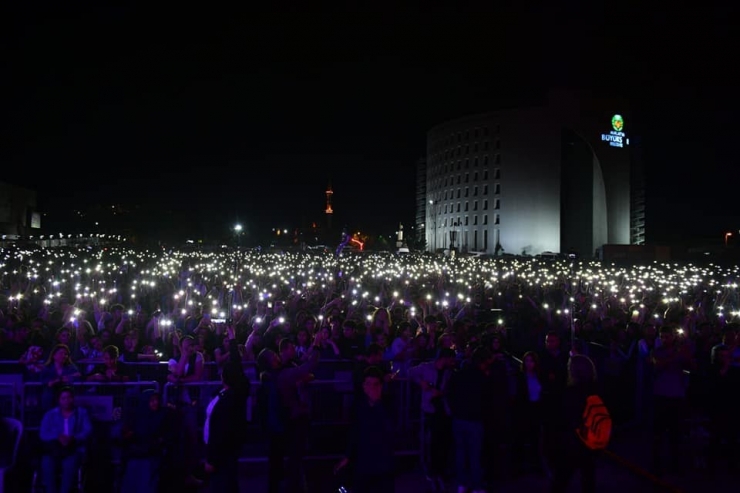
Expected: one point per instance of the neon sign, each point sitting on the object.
(616, 136)
(358, 243)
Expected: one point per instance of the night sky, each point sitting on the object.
(245, 117)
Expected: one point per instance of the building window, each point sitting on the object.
(475, 147)
(467, 177)
(485, 130)
(475, 176)
(485, 189)
(496, 204)
(497, 188)
(498, 144)
(467, 206)
(476, 132)
(485, 174)
(485, 219)
(459, 177)
(458, 207)
(475, 240)
(466, 221)
(475, 191)
(497, 174)
(485, 205)
(475, 220)
(458, 193)
(496, 219)
(475, 205)
(475, 162)
(466, 192)
(485, 160)
(498, 158)
(467, 163)
(485, 145)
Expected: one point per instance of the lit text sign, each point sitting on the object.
(616, 136)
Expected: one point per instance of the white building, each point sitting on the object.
(555, 177)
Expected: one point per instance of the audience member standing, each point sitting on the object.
(466, 396)
(224, 429)
(571, 454)
(288, 416)
(433, 377)
(669, 393)
(371, 436)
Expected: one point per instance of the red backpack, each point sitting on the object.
(596, 427)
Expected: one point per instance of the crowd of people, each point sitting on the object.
(502, 353)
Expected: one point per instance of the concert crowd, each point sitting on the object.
(147, 370)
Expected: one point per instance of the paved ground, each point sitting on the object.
(613, 475)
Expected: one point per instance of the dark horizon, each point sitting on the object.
(249, 120)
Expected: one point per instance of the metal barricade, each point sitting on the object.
(196, 394)
(11, 367)
(330, 403)
(9, 396)
(121, 395)
(148, 371)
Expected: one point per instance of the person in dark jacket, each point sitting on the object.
(467, 398)
(370, 439)
(288, 417)
(224, 429)
(145, 437)
(722, 380)
(571, 454)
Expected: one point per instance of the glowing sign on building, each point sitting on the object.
(618, 123)
(616, 136)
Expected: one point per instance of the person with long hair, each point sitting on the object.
(58, 372)
(572, 454)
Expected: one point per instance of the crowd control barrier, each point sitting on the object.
(99, 398)
(330, 403)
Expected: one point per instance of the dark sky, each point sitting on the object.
(238, 116)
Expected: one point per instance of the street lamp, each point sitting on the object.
(238, 232)
(453, 234)
(433, 216)
(727, 237)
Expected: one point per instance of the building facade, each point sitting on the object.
(549, 178)
(18, 214)
(421, 197)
